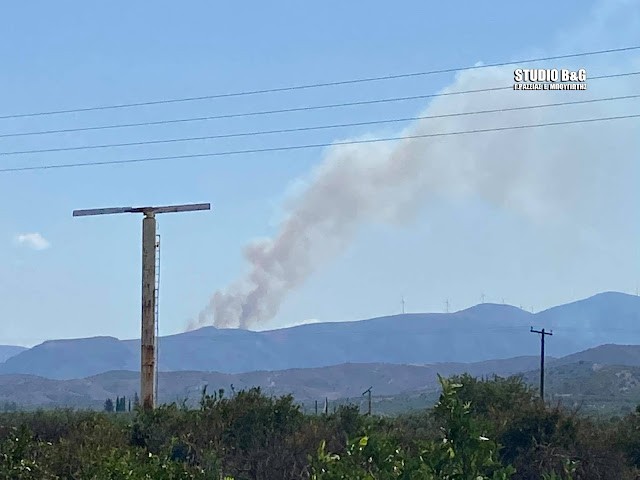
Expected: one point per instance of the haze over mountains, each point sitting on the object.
(481, 333)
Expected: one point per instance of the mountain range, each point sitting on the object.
(482, 333)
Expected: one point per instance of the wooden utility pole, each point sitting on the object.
(148, 330)
(368, 391)
(543, 334)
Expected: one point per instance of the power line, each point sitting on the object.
(318, 85)
(308, 146)
(265, 112)
(317, 127)
(285, 110)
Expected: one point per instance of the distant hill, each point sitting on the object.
(65, 359)
(593, 388)
(605, 318)
(306, 385)
(605, 355)
(581, 378)
(8, 351)
(481, 333)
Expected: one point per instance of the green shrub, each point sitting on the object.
(477, 429)
(463, 452)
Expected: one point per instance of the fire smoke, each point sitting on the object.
(546, 174)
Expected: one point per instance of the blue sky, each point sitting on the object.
(81, 277)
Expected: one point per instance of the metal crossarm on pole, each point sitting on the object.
(101, 211)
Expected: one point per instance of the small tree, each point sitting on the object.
(108, 405)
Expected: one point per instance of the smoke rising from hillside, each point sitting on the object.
(551, 174)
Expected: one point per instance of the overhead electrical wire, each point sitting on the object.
(285, 110)
(309, 146)
(263, 112)
(316, 85)
(317, 127)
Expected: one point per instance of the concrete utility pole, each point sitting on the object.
(148, 333)
(542, 335)
(368, 391)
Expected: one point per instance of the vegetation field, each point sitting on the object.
(479, 429)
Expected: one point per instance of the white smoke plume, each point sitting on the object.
(547, 174)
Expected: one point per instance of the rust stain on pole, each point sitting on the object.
(148, 341)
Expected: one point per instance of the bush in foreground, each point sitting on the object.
(479, 429)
